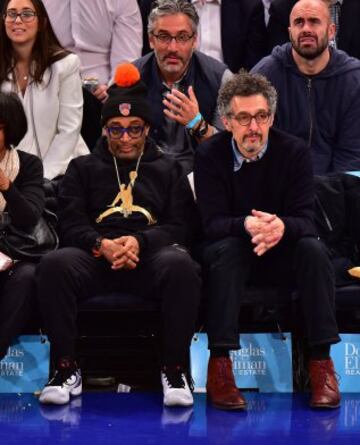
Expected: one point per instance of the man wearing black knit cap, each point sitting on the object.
(121, 222)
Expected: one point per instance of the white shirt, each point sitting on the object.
(103, 33)
(266, 10)
(209, 30)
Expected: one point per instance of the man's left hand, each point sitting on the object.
(270, 234)
(129, 255)
(180, 107)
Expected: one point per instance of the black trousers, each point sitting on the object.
(17, 292)
(231, 264)
(68, 275)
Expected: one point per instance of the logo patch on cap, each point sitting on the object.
(125, 109)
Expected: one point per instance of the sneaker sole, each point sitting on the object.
(179, 403)
(50, 396)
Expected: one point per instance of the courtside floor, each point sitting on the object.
(139, 418)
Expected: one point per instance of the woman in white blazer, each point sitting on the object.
(47, 79)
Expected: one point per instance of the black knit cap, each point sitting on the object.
(127, 96)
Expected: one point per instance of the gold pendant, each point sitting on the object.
(127, 207)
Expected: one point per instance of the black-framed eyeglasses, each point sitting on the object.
(182, 38)
(25, 16)
(261, 117)
(133, 131)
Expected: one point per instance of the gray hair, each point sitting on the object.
(164, 8)
(245, 84)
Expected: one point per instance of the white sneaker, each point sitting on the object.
(61, 387)
(175, 387)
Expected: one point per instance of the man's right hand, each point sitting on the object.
(266, 230)
(101, 93)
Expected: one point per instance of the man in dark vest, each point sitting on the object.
(182, 83)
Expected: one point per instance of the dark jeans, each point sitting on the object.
(17, 291)
(230, 265)
(68, 275)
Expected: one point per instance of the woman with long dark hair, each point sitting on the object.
(21, 201)
(46, 77)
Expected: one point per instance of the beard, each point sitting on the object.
(172, 68)
(130, 155)
(310, 53)
(252, 147)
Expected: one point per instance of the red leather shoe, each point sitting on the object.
(221, 389)
(324, 385)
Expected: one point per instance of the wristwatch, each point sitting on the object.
(201, 130)
(97, 246)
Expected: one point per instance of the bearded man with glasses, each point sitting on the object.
(183, 83)
(122, 220)
(255, 191)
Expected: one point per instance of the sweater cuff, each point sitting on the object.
(141, 240)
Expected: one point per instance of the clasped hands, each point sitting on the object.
(265, 229)
(121, 253)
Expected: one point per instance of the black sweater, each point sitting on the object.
(90, 185)
(281, 182)
(25, 197)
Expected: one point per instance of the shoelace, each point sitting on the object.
(59, 378)
(174, 377)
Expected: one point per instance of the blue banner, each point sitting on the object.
(264, 362)
(25, 368)
(346, 357)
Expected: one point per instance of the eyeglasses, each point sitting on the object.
(166, 38)
(261, 117)
(25, 16)
(117, 132)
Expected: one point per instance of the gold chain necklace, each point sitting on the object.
(132, 175)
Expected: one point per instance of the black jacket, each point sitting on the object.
(90, 186)
(25, 197)
(349, 32)
(243, 32)
(281, 182)
(337, 216)
(323, 109)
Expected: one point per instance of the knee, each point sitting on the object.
(181, 272)
(312, 251)
(22, 279)
(310, 246)
(25, 272)
(177, 260)
(49, 263)
(54, 264)
(225, 252)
